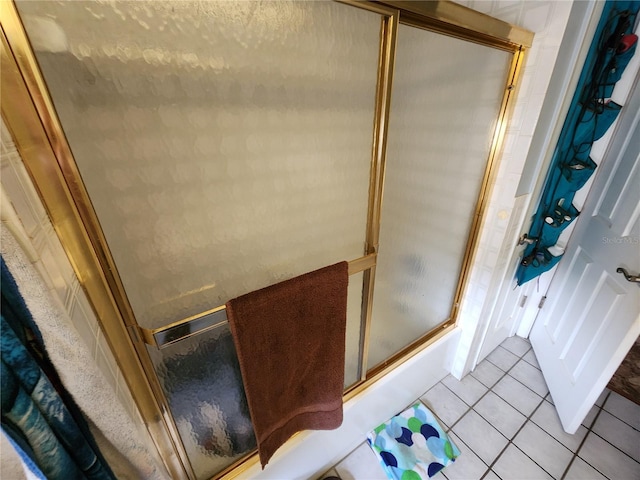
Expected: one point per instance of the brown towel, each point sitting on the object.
(290, 339)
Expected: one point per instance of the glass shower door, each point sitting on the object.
(225, 146)
(447, 95)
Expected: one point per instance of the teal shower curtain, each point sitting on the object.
(38, 415)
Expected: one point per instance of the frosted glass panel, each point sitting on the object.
(354, 314)
(202, 382)
(225, 145)
(445, 103)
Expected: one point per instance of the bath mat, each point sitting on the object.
(412, 445)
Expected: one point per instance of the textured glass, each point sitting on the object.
(225, 145)
(202, 382)
(354, 314)
(445, 103)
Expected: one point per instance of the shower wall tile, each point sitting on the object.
(535, 16)
(515, 162)
(19, 187)
(85, 323)
(54, 267)
(544, 67)
(534, 105)
(105, 361)
(55, 262)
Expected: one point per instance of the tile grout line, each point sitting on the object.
(495, 460)
(577, 453)
(490, 389)
(528, 419)
(489, 466)
(600, 408)
(590, 430)
(613, 414)
(607, 441)
(470, 407)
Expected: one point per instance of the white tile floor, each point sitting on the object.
(502, 419)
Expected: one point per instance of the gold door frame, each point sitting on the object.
(28, 112)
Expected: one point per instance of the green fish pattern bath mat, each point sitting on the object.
(412, 445)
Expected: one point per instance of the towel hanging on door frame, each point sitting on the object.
(290, 340)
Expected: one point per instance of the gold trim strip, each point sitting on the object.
(363, 263)
(456, 20)
(371, 6)
(388, 35)
(216, 317)
(39, 93)
(189, 327)
(491, 170)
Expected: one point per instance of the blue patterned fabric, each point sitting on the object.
(37, 414)
(26, 460)
(412, 445)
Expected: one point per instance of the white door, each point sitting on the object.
(592, 314)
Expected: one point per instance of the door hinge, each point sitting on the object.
(523, 301)
(542, 300)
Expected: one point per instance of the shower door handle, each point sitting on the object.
(627, 276)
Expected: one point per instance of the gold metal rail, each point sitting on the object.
(216, 317)
(453, 19)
